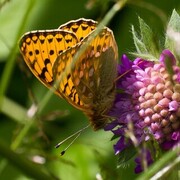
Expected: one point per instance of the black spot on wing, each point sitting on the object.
(75, 29)
(51, 52)
(42, 75)
(47, 61)
(84, 27)
(37, 51)
(42, 41)
(59, 39)
(30, 53)
(50, 40)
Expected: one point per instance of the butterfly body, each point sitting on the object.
(85, 79)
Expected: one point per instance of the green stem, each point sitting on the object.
(18, 113)
(165, 160)
(6, 74)
(18, 140)
(110, 14)
(23, 164)
(5, 103)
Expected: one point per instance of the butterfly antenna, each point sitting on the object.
(76, 134)
(63, 152)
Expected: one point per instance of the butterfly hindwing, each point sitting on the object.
(97, 70)
(81, 27)
(89, 83)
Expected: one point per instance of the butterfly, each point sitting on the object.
(88, 85)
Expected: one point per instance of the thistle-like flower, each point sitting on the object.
(148, 104)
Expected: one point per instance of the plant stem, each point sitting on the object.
(6, 74)
(165, 160)
(23, 164)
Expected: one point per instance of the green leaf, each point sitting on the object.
(140, 47)
(170, 160)
(172, 40)
(169, 66)
(174, 21)
(126, 155)
(144, 56)
(149, 39)
(114, 137)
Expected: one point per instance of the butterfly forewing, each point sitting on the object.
(65, 84)
(41, 48)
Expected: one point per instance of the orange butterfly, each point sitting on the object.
(89, 85)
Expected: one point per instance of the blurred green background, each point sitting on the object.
(91, 156)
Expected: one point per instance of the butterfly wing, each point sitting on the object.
(81, 27)
(97, 85)
(41, 48)
(89, 83)
(62, 74)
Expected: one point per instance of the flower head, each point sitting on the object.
(150, 101)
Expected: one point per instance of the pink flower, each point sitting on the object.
(150, 101)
